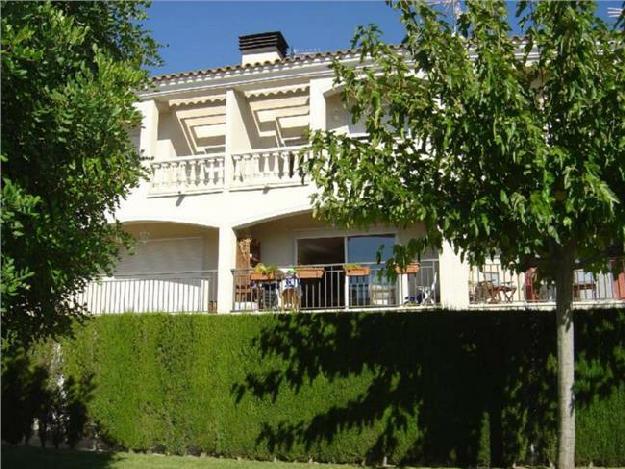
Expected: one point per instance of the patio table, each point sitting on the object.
(582, 286)
(506, 291)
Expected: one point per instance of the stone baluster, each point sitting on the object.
(266, 171)
(249, 169)
(295, 157)
(284, 165)
(156, 174)
(167, 176)
(236, 168)
(221, 171)
(195, 173)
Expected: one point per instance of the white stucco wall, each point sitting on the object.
(276, 216)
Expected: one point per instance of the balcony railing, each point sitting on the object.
(188, 175)
(179, 292)
(330, 287)
(493, 284)
(266, 168)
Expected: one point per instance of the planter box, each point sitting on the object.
(310, 272)
(265, 277)
(357, 271)
(411, 268)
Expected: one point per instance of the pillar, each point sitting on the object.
(226, 263)
(148, 136)
(318, 102)
(453, 279)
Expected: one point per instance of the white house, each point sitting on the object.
(225, 194)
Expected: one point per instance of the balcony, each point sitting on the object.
(204, 174)
(494, 285)
(266, 168)
(172, 292)
(199, 174)
(332, 287)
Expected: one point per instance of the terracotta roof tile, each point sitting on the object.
(292, 59)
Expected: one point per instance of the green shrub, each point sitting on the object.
(32, 389)
(430, 388)
(483, 454)
(24, 393)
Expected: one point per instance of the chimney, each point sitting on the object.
(262, 47)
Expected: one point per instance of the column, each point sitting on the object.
(318, 102)
(238, 130)
(453, 279)
(148, 136)
(226, 263)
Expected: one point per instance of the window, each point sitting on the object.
(364, 248)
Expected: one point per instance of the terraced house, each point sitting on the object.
(224, 223)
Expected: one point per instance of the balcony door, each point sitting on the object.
(315, 251)
(333, 287)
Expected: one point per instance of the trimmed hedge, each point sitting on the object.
(434, 388)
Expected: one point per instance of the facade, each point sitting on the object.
(225, 195)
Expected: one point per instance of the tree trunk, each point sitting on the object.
(566, 361)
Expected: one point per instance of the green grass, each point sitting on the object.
(33, 457)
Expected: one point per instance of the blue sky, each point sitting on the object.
(205, 34)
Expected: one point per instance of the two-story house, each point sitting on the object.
(225, 195)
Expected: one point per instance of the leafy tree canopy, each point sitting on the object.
(500, 145)
(69, 71)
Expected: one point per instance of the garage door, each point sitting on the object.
(163, 256)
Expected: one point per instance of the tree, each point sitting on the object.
(69, 71)
(501, 146)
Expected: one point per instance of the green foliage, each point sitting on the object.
(32, 388)
(69, 72)
(17, 210)
(351, 388)
(498, 146)
(23, 394)
(483, 453)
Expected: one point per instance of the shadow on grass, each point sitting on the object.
(30, 457)
(445, 388)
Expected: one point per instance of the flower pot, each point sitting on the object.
(411, 268)
(310, 272)
(357, 271)
(264, 276)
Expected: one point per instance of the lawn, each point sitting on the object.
(33, 457)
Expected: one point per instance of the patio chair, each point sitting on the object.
(425, 294)
(382, 294)
(290, 295)
(485, 292)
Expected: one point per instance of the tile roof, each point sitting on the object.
(289, 59)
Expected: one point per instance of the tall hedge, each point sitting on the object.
(428, 388)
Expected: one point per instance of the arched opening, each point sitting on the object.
(295, 261)
(172, 267)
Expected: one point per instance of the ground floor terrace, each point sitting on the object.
(295, 263)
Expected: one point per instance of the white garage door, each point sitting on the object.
(161, 276)
(155, 256)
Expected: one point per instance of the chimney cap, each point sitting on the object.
(273, 39)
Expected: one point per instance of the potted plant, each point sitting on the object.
(306, 271)
(411, 268)
(356, 270)
(265, 273)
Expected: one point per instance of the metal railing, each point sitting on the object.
(188, 175)
(266, 168)
(330, 287)
(493, 284)
(178, 292)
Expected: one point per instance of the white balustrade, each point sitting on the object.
(174, 292)
(266, 168)
(188, 175)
